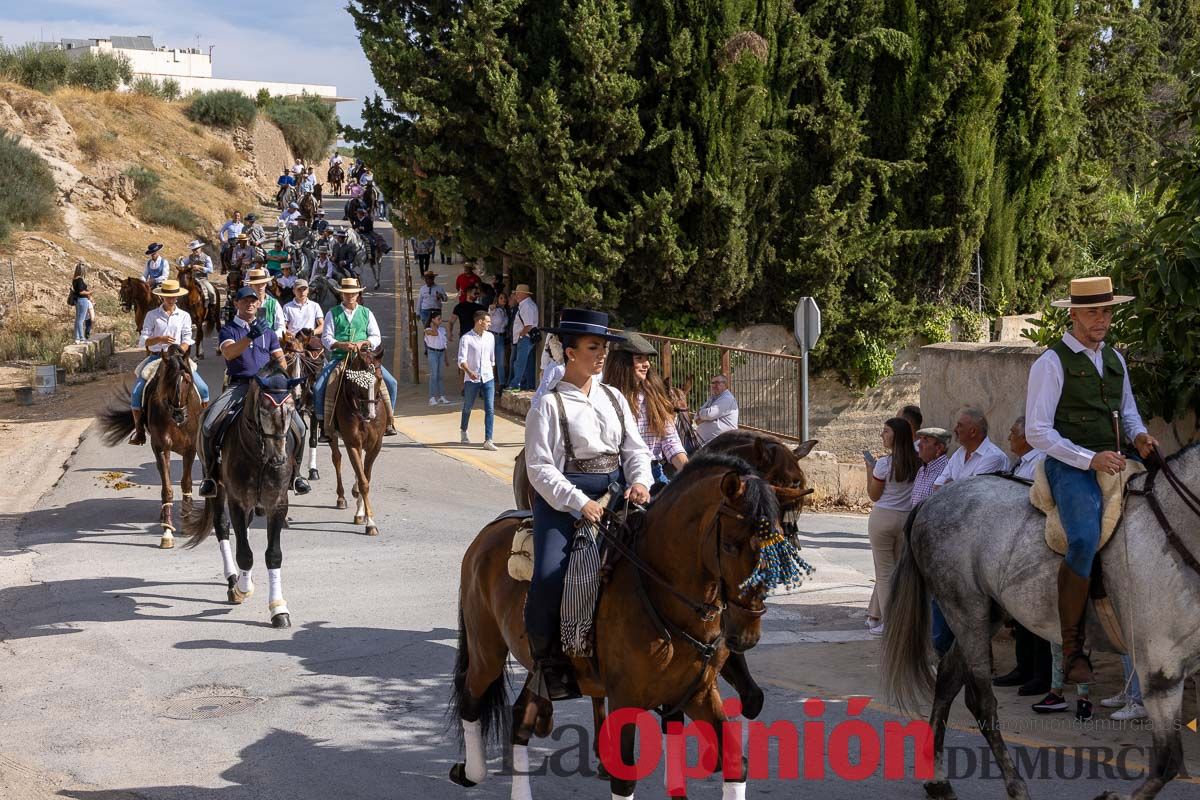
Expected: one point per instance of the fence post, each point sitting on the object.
(666, 361)
(725, 366)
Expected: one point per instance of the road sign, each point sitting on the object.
(808, 324)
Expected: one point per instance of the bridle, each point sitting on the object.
(369, 380)
(1159, 465)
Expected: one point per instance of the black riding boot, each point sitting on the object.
(211, 461)
(554, 677)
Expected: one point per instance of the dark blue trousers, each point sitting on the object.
(552, 534)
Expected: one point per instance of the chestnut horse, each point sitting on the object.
(701, 574)
(172, 414)
(360, 416)
(137, 297)
(305, 359)
(205, 313)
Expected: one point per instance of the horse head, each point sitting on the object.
(129, 293)
(175, 385)
(362, 381)
(272, 404)
(778, 463)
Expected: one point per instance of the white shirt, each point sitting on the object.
(527, 314)
(986, 458)
(286, 281)
(717, 415)
(1026, 465)
(896, 496)
(430, 298)
(300, 316)
(288, 217)
(373, 335)
(595, 430)
(280, 316)
(477, 353)
(499, 320)
(552, 373)
(177, 324)
(1041, 401)
(438, 340)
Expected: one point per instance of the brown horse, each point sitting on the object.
(336, 176)
(205, 312)
(172, 415)
(305, 359)
(137, 297)
(360, 416)
(308, 208)
(700, 546)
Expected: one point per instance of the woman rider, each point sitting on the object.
(578, 440)
(628, 371)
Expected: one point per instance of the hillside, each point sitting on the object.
(108, 151)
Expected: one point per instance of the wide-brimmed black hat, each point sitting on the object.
(582, 322)
(251, 217)
(153, 248)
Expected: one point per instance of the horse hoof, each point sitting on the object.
(341, 502)
(313, 475)
(359, 519)
(940, 790)
(281, 621)
(458, 775)
(372, 531)
(166, 543)
(752, 705)
(238, 596)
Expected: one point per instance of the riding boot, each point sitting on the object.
(1072, 607)
(138, 437)
(323, 437)
(553, 675)
(211, 461)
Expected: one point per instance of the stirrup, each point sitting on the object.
(138, 437)
(554, 679)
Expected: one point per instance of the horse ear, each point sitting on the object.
(687, 385)
(732, 486)
(804, 449)
(379, 352)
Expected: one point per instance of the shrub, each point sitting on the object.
(309, 125)
(262, 98)
(100, 72)
(169, 89)
(27, 189)
(225, 108)
(146, 180)
(27, 337)
(145, 85)
(223, 152)
(227, 181)
(40, 68)
(158, 210)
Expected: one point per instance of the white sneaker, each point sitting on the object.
(1130, 711)
(1116, 701)
(443, 400)
(488, 444)
(465, 439)
(870, 622)
(877, 630)
(433, 401)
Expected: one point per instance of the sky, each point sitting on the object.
(307, 41)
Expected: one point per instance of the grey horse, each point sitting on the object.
(978, 546)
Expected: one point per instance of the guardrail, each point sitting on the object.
(766, 385)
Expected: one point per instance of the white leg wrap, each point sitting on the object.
(229, 565)
(274, 586)
(618, 797)
(312, 458)
(520, 781)
(733, 791)
(673, 743)
(244, 582)
(476, 763)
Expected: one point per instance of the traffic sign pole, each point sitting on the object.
(807, 321)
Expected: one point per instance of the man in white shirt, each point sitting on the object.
(301, 314)
(977, 455)
(1080, 411)
(309, 183)
(719, 413)
(157, 268)
(430, 298)
(524, 321)
(1027, 456)
(477, 360)
(289, 217)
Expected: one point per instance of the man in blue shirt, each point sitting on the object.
(248, 345)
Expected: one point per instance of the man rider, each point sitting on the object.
(1080, 411)
(248, 344)
(201, 265)
(344, 253)
(309, 184)
(163, 327)
(348, 327)
(157, 267)
(364, 226)
(254, 231)
(320, 224)
(269, 309)
(325, 265)
(243, 255)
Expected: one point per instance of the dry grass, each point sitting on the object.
(223, 152)
(227, 181)
(27, 337)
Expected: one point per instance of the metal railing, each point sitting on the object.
(767, 385)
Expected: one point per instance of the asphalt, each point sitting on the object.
(124, 673)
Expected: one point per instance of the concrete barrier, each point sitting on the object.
(89, 356)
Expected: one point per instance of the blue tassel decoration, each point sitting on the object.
(779, 562)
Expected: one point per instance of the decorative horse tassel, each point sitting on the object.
(779, 561)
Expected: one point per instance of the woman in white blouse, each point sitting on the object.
(889, 485)
(578, 440)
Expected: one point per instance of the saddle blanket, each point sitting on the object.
(1112, 498)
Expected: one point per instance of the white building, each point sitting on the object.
(191, 68)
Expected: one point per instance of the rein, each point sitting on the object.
(1185, 494)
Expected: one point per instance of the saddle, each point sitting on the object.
(333, 390)
(150, 372)
(1112, 494)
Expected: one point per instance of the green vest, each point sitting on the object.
(347, 329)
(1089, 399)
(270, 310)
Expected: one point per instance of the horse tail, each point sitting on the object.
(116, 422)
(907, 675)
(198, 524)
(492, 708)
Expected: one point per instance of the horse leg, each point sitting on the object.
(628, 747)
(737, 674)
(708, 708)
(372, 529)
(276, 605)
(335, 454)
(951, 674)
(162, 459)
(599, 715)
(185, 482)
(361, 486)
(229, 567)
(976, 649)
(1163, 698)
(312, 448)
(531, 715)
(673, 742)
(245, 556)
(198, 336)
(479, 687)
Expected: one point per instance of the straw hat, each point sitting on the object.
(1091, 293)
(522, 287)
(170, 288)
(257, 276)
(241, 237)
(349, 285)
(195, 245)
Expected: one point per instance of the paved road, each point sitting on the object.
(113, 644)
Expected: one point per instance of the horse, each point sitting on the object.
(205, 312)
(172, 410)
(702, 543)
(370, 198)
(336, 176)
(308, 209)
(376, 258)
(305, 361)
(136, 296)
(978, 546)
(257, 460)
(323, 292)
(285, 196)
(360, 418)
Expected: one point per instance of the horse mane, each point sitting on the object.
(758, 500)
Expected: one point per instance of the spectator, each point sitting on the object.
(82, 297)
(1027, 456)
(1055, 701)
(1128, 701)
(931, 449)
(435, 350)
(465, 280)
(422, 250)
(719, 413)
(465, 311)
(500, 327)
(977, 456)
(430, 298)
(525, 320)
(447, 258)
(276, 257)
(889, 485)
(628, 370)
(554, 366)
(914, 417)
(477, 360)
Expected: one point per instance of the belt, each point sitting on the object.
(593, 466)
(435, 350)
